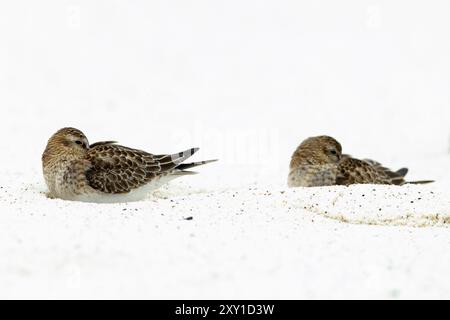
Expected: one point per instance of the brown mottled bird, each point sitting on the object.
(319, 161)
(105, 171)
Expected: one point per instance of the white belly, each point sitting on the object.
(134, 195)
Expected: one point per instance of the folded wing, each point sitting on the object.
(355, 171)
(118, 169)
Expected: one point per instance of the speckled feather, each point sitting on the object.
(118, 169)
(101, 172)
(319, 161)
(355, 171)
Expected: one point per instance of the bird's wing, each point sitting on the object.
(355, 171)
(395, 177)
(118, 169)
(102, 143)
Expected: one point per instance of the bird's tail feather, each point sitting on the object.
(184, 173)
(402, 172)
(185, 166)
(181, 169)
(171, 161)
(419, 182)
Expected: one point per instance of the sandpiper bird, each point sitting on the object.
(106, 171)
(319, 161)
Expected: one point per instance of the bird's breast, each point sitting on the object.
(65, 178)
(313, 175)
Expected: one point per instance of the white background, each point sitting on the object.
(246, 81)
(169, 74)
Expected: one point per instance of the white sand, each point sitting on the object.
(246, 86)
(244, 243)
(409, 205)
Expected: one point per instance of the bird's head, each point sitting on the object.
(317, 151)
(66, 141)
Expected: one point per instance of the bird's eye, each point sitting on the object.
(333, 152)
(79, 142)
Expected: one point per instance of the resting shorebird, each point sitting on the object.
(319, 161)
(105, 171)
